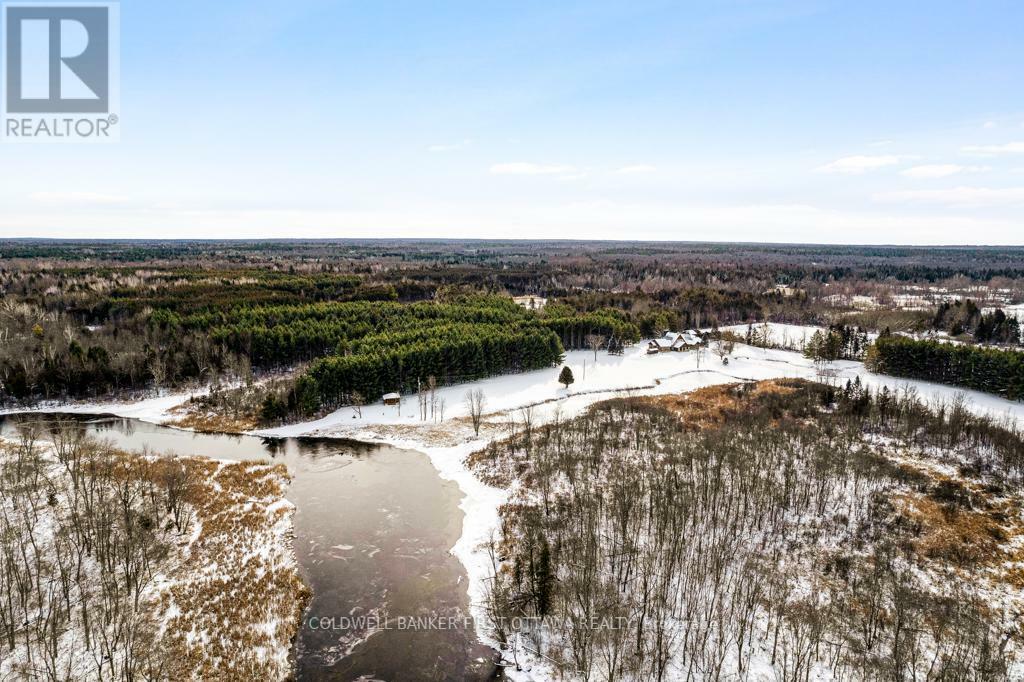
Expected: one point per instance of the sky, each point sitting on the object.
(786, 121)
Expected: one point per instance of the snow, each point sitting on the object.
(635, 372)
(791, 336)
(786, 336)
(596, 379)
(1016, 311)
(155, 410)
(183, 563)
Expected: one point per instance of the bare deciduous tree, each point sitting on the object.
(594, 343)
(475, 403)
(723, 345)
(700, 541)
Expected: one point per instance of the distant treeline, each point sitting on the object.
(198, 292)
(991, 370)
(506, 261)
(90, 319)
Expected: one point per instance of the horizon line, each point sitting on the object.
(486, 240)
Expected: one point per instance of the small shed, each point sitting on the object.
(392, 398)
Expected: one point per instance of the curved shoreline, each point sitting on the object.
(480, 501)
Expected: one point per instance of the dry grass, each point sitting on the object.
(232, 608)
(948, 533)
(986, 544)
(963, 522)
(225, 599)
(451, 432)
(206, 422)
(712, 406)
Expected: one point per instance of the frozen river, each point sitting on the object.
(373, 530)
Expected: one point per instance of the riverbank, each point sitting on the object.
(537, 397)
(202, 579)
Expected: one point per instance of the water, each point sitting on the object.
(373, 528)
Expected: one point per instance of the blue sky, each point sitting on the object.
(853, 122)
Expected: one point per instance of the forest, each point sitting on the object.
(838, 342)
(346, 320)
(782, 530)
(439, 355)
(193, 336)
(624, 259)
(992, 370)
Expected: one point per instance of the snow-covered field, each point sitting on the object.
(448, 443)
(793, 337)
(786, 336)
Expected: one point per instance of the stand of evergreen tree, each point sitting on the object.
(838, 342)
(573, 328)
(965, 317)
(450, 355)
(991, 370)
(370, 347)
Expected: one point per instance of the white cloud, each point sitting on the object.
(994, 149)
(454, 147)
(92, 198)
(958, 196)
(524, 168)
(855, 165)
(940, 170)
(636, 169)
(989, 125)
